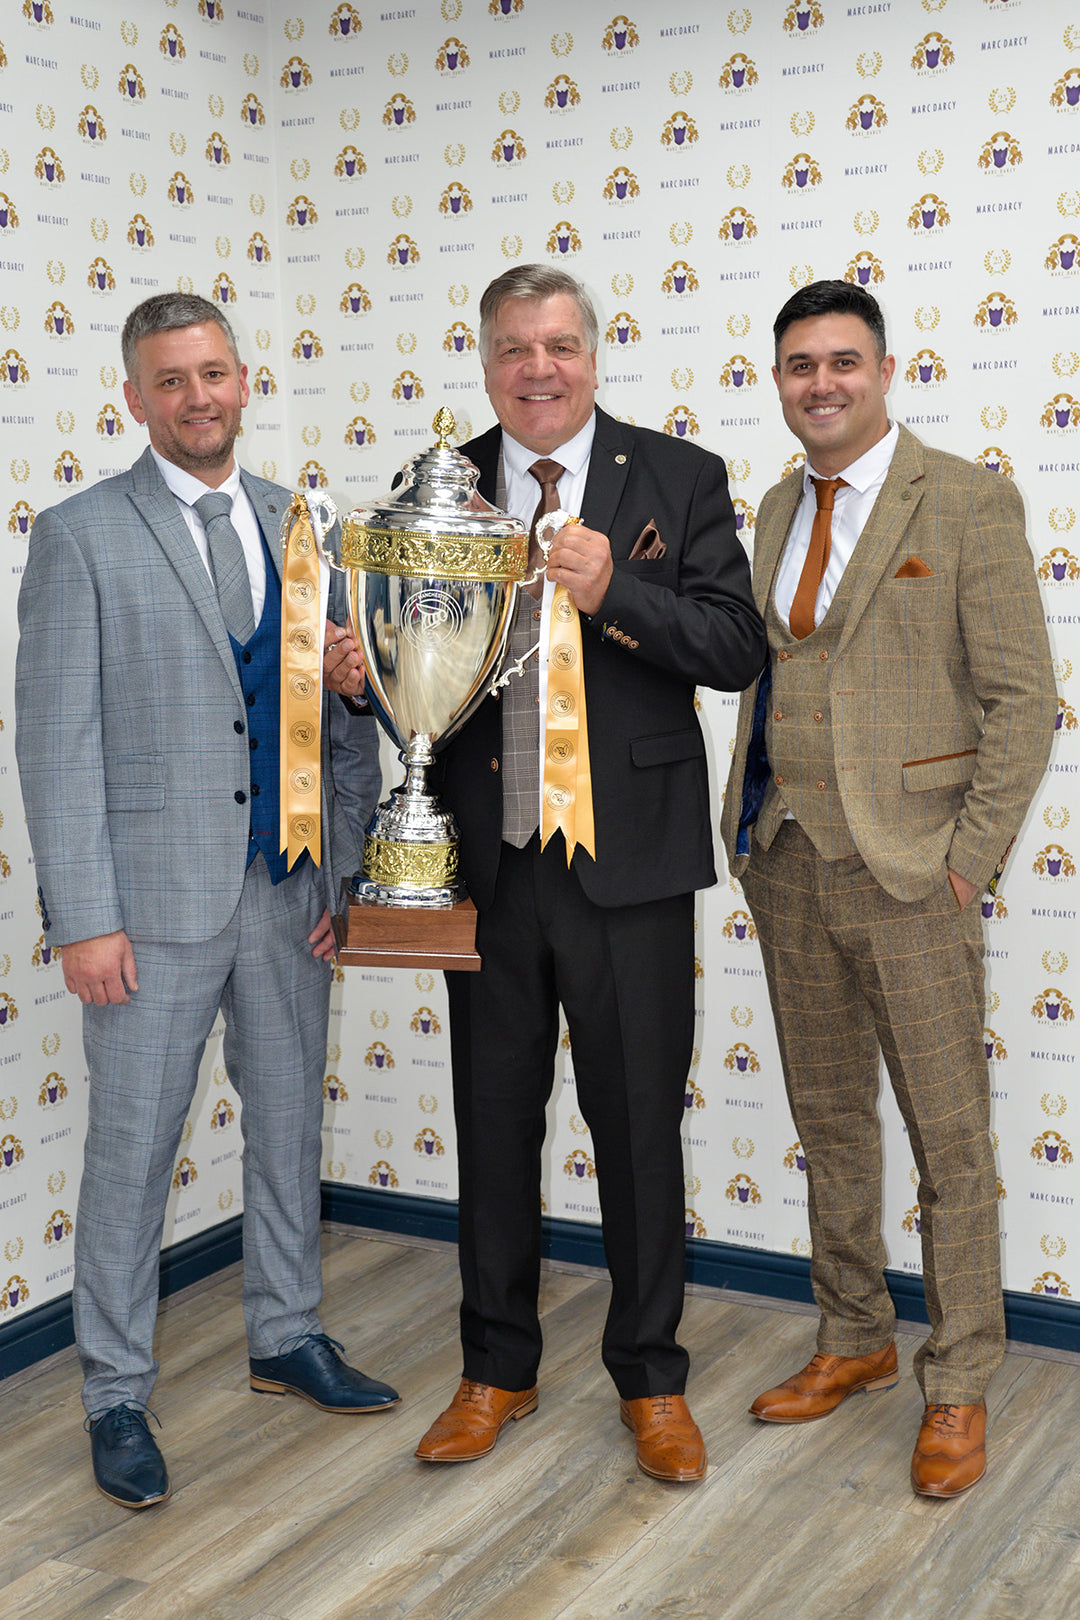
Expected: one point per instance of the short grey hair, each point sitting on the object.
(169, 312)
(535, 281)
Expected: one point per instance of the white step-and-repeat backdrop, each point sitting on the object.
(345, 179)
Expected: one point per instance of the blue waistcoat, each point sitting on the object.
(258, 663)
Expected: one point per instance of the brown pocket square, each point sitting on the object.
(914, 568)
(648, 543)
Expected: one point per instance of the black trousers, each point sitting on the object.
(625, 978)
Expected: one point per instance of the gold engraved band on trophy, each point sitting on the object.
(301, 694)
(419, 866)
(566, 795)
(416, 553)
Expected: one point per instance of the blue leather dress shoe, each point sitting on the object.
(128, 1467)
(311, 1366)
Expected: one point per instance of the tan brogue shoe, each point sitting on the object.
(669, 1443)
(823, 1384)
(473, 1421)
(950, 1453)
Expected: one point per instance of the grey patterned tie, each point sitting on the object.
(228, 564)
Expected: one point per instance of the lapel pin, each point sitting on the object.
(620, 461)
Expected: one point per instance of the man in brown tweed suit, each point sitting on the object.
(883, 764)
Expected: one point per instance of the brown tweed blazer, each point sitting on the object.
(941, 694)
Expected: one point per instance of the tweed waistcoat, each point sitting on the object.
(798, 735)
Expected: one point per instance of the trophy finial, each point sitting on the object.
(444, 426)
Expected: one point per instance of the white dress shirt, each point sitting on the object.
(851, 509)
(188, 489)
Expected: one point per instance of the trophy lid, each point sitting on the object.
(436, 522)
(436, 490)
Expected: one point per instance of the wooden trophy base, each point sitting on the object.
(371, 935)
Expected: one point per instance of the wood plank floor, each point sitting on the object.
(281, 1512)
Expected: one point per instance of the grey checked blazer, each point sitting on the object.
(130, 737)
(941, 693)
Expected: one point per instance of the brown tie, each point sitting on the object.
(801, 618)
(547, 475)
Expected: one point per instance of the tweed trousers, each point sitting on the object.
(143, 1058)
(854, 973)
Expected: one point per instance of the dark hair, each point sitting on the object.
(832, 298)
(535, 281)
(169, 312)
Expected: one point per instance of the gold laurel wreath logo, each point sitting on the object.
(454, 155)
(509, 103)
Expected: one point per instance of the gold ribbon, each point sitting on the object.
(301, 689)
(566, 796)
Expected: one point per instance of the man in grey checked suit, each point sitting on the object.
(147, 710)
(882, 766)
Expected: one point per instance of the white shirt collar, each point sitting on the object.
(186, 487)
(868, 470)
(573, 455)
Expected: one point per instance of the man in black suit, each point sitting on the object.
(663, 590)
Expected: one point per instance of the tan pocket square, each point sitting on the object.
(914, 568)
(648, 543)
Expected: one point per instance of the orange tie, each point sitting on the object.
(801, 618)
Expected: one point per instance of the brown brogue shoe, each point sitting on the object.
(823, 1383)
(950, 1453)
(473, 1422)
(669, 1443)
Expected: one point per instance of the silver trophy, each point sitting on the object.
(433, 574)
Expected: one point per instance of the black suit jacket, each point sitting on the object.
(665, 626)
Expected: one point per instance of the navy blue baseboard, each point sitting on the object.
(1029, 1318)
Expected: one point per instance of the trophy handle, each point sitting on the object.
(546, 529)
(323, 514)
